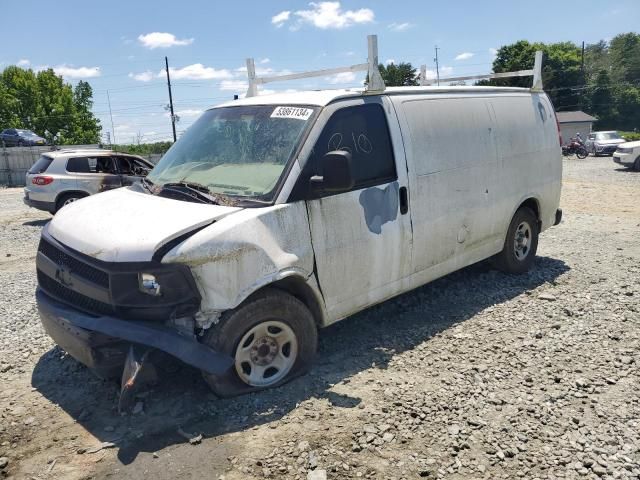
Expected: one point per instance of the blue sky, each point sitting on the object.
(120, 46)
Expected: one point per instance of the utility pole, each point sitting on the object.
(437, 66)
(111, 115)
(173, 117)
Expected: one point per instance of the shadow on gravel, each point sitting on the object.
(369, 339)
(37, 223)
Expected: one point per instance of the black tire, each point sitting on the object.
(636, 165)
(267, 305)
(67, 198)
(582, 153)
(508, 260)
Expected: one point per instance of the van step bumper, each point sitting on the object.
(101, 343)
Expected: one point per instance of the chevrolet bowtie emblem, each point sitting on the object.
(63, 275)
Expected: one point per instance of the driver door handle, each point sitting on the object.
(404, 200)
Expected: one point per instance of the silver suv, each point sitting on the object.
(64, 176)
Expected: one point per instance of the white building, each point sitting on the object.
(574, 122)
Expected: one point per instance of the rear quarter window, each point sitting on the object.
(41, 165)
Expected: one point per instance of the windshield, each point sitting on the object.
(237, 151)
(608, 136)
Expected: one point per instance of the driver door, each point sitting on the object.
(361, 237)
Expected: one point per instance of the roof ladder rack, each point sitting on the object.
(536, 73)
(375, 85)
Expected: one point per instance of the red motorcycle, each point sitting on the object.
(575, 147)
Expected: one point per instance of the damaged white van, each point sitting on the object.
(274, 216)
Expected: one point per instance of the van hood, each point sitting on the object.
(123, 225)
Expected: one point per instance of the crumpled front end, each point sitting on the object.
(95, 309)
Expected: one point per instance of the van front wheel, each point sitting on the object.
(272, 338)
(521, 244)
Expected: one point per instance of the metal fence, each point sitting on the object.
(15, 161)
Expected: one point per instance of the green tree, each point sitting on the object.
(624, 53)
(401, 75)
(86, 128)
(44, 103)
(55, 110)
(600, 101)
(561, 69)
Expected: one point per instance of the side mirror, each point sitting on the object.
(336, 175)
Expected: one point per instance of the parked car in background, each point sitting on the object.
(628, 155)
(14, 137)
(64, 176)
(603, 143)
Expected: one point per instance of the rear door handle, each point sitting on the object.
(404, 200)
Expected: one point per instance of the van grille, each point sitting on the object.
(78, 267)
(71, 297)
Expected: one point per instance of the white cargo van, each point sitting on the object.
(274, 216)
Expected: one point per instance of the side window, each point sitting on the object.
(361, 130)
(125, 165)
(79, 165)
(90, 165)
(105, 165)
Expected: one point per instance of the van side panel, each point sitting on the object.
(451, 152)
(529, 157)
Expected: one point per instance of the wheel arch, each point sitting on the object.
(298, 287)
(531, 203)
(68, 192)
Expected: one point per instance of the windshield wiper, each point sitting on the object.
(196, 191)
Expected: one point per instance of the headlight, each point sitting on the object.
(625, 150)
(147, 283)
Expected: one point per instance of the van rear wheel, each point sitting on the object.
(521, 244)
(272, 338)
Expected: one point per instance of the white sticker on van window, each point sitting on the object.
(292, 112)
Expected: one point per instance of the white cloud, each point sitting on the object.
(493, 51)
(265, 60)
(343, 77)
(390, 61)
(325, 15)
(444, 72)
(465, 56)
(279, 19)
(142, 77)
(76, 72)
(197, 71)
(263, 71)
(234, 85)
(162, 40)
(24, 62)
(189, 113)
(400, 27)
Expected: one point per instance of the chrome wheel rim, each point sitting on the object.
(266, 353)
(69, 200)
(522, 243)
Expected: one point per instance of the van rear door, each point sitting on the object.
(361, 238)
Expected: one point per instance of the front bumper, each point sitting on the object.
(101, 342)
(606, 149)
(624, 160)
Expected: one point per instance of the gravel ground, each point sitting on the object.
(476, 375)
